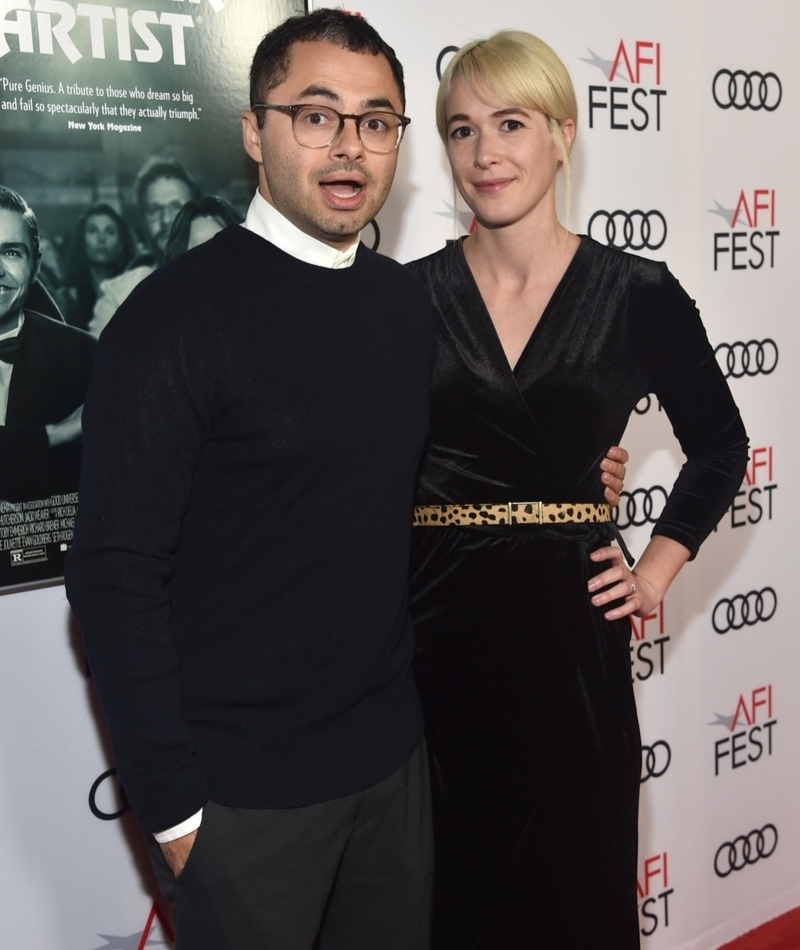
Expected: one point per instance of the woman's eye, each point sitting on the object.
(462, 132)
(512, 125)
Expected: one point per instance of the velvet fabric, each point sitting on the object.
(530, 715)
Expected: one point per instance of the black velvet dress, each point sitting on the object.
(530, 715)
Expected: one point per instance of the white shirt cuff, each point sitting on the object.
(178, 831)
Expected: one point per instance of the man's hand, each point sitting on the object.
(613, 473)
(176, 853)
(68, 430)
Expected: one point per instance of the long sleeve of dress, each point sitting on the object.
(693, 392)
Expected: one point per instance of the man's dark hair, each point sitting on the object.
(155, 168)
(11, 201)
(346, 30)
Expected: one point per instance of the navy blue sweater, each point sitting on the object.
(240, 560)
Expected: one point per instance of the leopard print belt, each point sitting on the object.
(514, 512)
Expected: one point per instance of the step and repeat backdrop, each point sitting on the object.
(686, 152)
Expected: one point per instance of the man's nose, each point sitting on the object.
(348, 141)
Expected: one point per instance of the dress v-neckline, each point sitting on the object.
(536, 332)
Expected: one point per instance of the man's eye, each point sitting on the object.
(375, 123)
(316, 118)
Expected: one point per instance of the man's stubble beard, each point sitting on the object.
(313, 217)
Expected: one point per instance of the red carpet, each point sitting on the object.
(782, 933)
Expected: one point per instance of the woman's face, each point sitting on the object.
(103, 244)
(504, 158)
(202, 229)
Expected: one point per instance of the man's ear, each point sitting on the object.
(251, 135)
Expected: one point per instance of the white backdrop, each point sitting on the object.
(715, 693)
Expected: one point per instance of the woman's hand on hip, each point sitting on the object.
(642, 588)
(618, 582)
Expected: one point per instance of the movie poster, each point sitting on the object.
(121, 146)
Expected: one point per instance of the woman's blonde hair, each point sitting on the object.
(517, 68)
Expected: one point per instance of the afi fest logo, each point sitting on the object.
(740, 90)
(146, 938)
(754, 500)
(631, 99)
(750, 731)
(648, 643)
(749, 242)
(629, 230)
(143, 34)
(654, 891)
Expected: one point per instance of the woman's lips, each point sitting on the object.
(489, 187)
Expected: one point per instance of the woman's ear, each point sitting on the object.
(568, 132)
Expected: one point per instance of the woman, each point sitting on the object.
(198, 221)
(546, 342)
(102, 246)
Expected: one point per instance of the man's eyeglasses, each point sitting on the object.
(320, 126)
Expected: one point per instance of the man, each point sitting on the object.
(161, 189)
(45, 367)
(240, 561)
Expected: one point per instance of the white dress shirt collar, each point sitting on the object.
(267, 222)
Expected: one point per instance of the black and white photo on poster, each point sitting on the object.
(121, 148)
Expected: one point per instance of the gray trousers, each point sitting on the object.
(354, 873)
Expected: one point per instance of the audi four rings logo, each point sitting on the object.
(747, 359)
(639, 507)
(744, 610)
(655, 760)
(376, 239)
(440, 63)
(95, 808)
(746, 849)
(629, 230)
(741, 90)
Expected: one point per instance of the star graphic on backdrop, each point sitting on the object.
(464, 218)
(726, 213)
(726, 721)
(115, 942)
(604, 65)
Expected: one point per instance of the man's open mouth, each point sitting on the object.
(343, 188)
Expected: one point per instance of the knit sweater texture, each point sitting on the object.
(240, 560)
